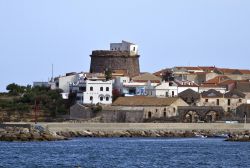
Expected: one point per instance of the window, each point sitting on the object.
(172, 93)
(82, 89)
(101, 88)
(149, 114)
(165, 109)
(107, 88)
(91, 88)
(101, 98)
(91, 98)
(192, 100)
(228, 109)
(164, 114)
(228, 102)
(218, 102)
(134, 48)
(206, 100)
(174, 109)
(107, 98)
(240, 100)
(156, 110)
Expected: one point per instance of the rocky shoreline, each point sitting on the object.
(28, 134)
(39, 133)
(228, 135)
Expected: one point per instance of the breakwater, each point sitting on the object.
(27, 132)
(59, 131)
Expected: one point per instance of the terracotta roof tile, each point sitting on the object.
(146, 77)
(218, 79)
(144, 101)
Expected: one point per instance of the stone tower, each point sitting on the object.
(122, 57)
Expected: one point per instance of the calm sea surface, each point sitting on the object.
(126, 152)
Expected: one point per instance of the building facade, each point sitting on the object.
(92, 91)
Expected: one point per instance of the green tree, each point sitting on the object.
(108, 74)
(15, 89)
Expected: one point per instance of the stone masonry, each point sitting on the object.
(114, 60)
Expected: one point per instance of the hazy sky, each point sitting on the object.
(35, 34)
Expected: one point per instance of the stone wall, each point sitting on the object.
(114, 60)
(143, 126)
(200, 113)
(80, 112)
(122, 116)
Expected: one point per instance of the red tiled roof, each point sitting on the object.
(209, 85)
(146, 77)
(244, 71)
(218, 79)
(143, 101)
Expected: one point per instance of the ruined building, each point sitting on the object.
(122, 57)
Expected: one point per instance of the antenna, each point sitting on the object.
(52, 73)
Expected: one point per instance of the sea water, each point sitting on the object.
(126, 152)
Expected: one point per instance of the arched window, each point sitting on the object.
(91, 98)
(101, 88)
(107, 88)
(91, 88)
(174, 109)
(101, 98)
(107, 98)
(165, 109)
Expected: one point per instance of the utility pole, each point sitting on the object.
(245, 122)
(36, 109)
(52, 73)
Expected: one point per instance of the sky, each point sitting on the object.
(36, 34)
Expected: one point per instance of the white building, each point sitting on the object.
(63, 82)
(165, 89)
(92, 91)
(185, 84)
(206, 87)
(124, 46)
(134, 88)
(118, 82)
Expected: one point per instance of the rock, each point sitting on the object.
(24, 130)
(24, 137)
(36, 136)
(87, 133)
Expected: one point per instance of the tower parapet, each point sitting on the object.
(116, 59)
